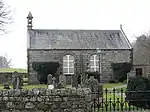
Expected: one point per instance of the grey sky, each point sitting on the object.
(72, 14)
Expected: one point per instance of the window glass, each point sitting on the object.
(68, 64)
(94, 63)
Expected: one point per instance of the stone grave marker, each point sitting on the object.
(17, 81)
(50, 81)
(132, 73)
(62, 80)
(74, 81)
(54, 82)
(93, 84)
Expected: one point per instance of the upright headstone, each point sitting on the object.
(54, 82)
(49, 79)
(62, 80)
(84, 79)
(17, 81)
(132, 73)
(74, 81)
(93, 84)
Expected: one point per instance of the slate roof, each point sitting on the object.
(78, 39)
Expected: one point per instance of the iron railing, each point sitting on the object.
(119, 100)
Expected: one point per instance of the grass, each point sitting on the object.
(34, 86)
(13, 69)
(27, 87)
(111, 85)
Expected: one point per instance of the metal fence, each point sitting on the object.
(119, 100)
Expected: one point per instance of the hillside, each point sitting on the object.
(13, 69)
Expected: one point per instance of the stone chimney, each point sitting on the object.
(29, 21)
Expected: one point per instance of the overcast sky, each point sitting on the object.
(134, 15)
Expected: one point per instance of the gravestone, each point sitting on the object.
(93, 84)
(69, 80)
(74, 81)
(96, 88)
(54, 82)
(50, 81)
(84, 79)
(62, 80)
(16, 81)
(132, 73)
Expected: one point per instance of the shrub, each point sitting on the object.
(125, 81)
(120, 70)
(141, 92)
(111, 81)
(43, 69)
(95, 74)
(25, 75)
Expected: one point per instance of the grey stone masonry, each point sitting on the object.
(81, 60)
(45, 100)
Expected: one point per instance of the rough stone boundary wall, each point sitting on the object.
(45, 100)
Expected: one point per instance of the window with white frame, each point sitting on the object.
(68, 64)
(94, 63)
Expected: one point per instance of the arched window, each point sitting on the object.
(68, 64)
(94, 63)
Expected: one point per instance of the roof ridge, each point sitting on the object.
(76, 29)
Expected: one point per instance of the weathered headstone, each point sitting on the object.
(49, 79)
(54, 82)
(17, 81)
(74, 81)
(62, 80)
(69, 80)
(132, 73)
(93, 84)
(84, 78)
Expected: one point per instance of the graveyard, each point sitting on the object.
(77, 76)
(76, 71)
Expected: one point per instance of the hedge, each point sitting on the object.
(43, 69)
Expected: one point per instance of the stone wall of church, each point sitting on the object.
(81, 60)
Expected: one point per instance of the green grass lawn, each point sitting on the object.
(27, 86)
(111, 85)
(34, 86)
(13, 69)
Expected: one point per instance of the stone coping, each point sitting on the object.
(43, 92)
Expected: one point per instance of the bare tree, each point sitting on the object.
(5, 62)
(5, 17)
(141, 49)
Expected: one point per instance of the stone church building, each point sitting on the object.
(77, 51)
